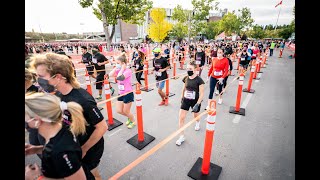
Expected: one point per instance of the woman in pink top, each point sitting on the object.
(124, 103)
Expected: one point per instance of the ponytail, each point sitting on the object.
(78, 124)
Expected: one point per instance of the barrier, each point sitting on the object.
(174, 70)
(145, 69)
(203, 169)
(264, 59)
(255, 72)
(249, 90)
(259, 66)
(142, 139)
(237, 109)
(238, 64)
(88, 83)
(168, 94)
(112, 122)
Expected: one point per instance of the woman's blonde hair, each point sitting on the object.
(56, 64)
(47, 106)
(29, 76)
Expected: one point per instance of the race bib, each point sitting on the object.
(190, 94)
(94, 60)
(254, 55)
(242, 59)
(87, 64)
(158, 73)
(198, 62)
(121, 87)
(137, 66)
(217, 73)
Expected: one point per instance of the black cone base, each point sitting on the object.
(115, 124)
(195, 172)
(240, 112)
(140, 145)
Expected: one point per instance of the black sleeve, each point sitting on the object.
(164, 63)
(102, 58)
(184, 79)
(92, 114)
(67, 163)
(200, 81)
(153, 63)
(230, 63)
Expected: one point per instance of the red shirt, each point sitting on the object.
(219, 68)
(256, 51)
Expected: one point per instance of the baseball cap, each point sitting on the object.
(156, 50)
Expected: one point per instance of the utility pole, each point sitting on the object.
(278, 16)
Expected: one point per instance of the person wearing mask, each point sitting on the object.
(281, 48)
(213, 52)
(138, 65)
(60, 77)
(134, 53)
(161, 66)
(200, 58)
(245, 58)
(61, 154)
(99, 61)
(87, 61)
(255, 52)
(123, 76)
(218, 71)
(228, 49)
(192, 96)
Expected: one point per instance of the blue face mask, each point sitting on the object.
(156, 55)
(118, 66)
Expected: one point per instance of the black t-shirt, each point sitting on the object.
(87, 59)
(192, 87)
(138, 63)
(160, 64)
(244, 59)
(61, 156)
(200, 56)
(99, 58)
(90, 112)
(33, 88)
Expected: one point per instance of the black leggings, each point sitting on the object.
(225, 81)
(138, 76)
(213, 82)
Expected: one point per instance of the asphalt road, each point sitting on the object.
(259, 145)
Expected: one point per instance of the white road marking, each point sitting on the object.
(115, 132)
(237, 118)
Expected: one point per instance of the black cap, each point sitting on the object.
(61, 52)
(95, 47)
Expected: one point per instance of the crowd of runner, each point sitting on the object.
(65, 125)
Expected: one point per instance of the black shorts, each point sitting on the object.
(244, 65)
(186, 104)
(92, 159)
(127, 98)
(100, 77)
(90, 70)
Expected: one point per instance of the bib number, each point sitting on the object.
(94, 60)
(217, 73)
(121, 87)
(198, 62)
(158, 73)
(242, 59)
(190, 94)
(137, 66)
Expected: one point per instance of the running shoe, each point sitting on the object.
(128, 122)
(161, 103)
(180, 140)
(197, 127)
(220, 101)
(131, 125)
(98, 97)
(112, 91)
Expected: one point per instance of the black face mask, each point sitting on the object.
(45, 85)
(190, 73)
(94, 51)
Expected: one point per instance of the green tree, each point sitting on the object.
(159, 28)
(245, 18)
(257, 32)
(230, 23)
(285, 33)
(179, 31)
(110, 11)
(212, 29)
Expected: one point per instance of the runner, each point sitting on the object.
(99, 61)
(87, 61)
(281, 48)
(61, 155)
(160, 65)
(138, 66)
(192, 95)
(200, 58)
(272, 47)
(245, 59)
(217, 72)
(59, 77)
(124, 103)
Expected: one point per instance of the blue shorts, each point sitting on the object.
(160, 85)
(127, 98)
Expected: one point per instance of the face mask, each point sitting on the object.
(214, 49)
(94, 51)
(118, 66)
(156, 55)
(45, 85)
(199, 49)
(219, 55)
(190, 73)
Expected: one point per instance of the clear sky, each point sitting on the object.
(67, 15)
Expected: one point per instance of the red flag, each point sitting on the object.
(279, 3)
